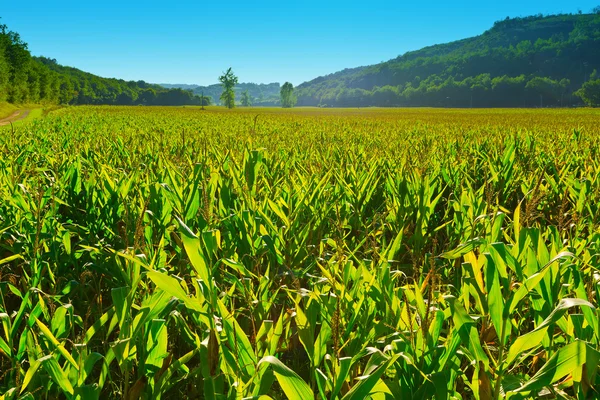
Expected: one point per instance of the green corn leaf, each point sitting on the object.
(534, 338)
(172, 287)
(119, 297)
(192, 248)
(341, 374)
(567, 360)
(238, 341)
(88, 366)
(156, 345)
(57, 345)
(4, 349)
(57, 373)
(532, 282)
(35, 365)
(99, 323)
(292, 385)
(179, 364)
(367, 384)
(495, 299)
(86, 392)
(11, 258)
(279, 212)
(463, 249)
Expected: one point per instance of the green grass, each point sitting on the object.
(34, 113)
(155, 252)
(7, 109)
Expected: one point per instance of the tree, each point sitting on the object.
(548, 90)
(246, 100)
(205, 100)
(228, 81)
(147, 97)
(288, 99)
(590, 93)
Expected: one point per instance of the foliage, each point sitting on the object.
(26, 79)
(517, 51)
(165, 253)
(263, 94)
(590, 93)
(246, 100)
(288, 100)
(228, 81)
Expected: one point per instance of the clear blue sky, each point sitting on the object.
(264, 41)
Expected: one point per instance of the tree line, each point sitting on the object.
(478, 91)
(28, 79)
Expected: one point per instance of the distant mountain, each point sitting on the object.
(178, 86)
(532, 61)
(261, 94)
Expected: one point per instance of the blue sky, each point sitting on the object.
(264, 41)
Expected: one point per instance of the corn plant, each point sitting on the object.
(158, 253)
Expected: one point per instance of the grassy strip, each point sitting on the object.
(33, 114)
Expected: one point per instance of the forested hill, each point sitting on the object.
(27, 79)
(533, 61)
(260, 93)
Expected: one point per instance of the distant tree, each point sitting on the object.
(590, 93)
(596, 10)
(205, 100)
(288, 99)
(246, 100)
(228, 81)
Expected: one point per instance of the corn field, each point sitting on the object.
(175, 253)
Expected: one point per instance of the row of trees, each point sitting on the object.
(478, 91)
(229, 80)
(27, 79)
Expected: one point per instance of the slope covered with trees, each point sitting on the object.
(27, 79)
(532, 61)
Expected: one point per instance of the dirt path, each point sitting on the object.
(16, 116)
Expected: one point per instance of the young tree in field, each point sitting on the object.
(228, 81)
(246, 100)
(288, 99)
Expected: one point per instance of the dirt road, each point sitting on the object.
(16, 116)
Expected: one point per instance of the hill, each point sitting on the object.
(261, 93)
(27, 79)
(532, 61)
